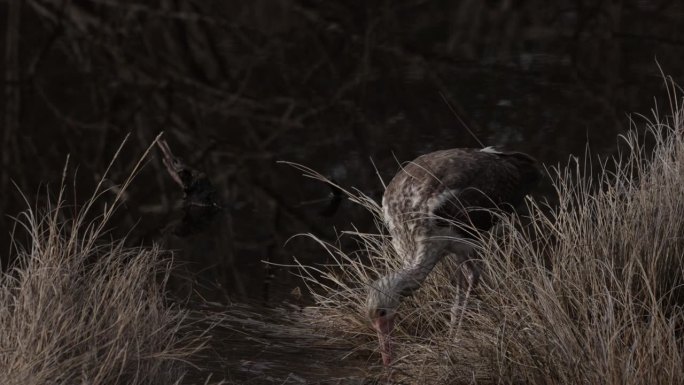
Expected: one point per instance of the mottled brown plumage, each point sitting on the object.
(432, 208)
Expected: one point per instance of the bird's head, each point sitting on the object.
(384, 297)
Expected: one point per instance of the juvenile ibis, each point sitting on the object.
(431, 208)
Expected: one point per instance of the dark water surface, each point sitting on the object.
(342, 87)
(254, 345)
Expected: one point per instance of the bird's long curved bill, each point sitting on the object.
(384, 329)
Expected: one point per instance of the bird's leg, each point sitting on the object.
(466, 278)
(458, 306)
(455, 306)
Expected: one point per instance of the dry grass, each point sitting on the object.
(78, 308)
(585, 292)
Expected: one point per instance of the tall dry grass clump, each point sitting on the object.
(79, 308)
(589, 291)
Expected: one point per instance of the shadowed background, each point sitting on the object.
(337, 86)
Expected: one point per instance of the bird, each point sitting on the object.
(433, 208)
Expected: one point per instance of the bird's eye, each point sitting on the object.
(382, 312)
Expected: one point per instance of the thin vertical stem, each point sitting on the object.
(12, 90)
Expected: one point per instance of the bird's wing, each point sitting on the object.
(491, 182)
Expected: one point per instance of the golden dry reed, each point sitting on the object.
(588, 290)
(79, 308)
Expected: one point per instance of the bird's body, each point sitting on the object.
(433, 207)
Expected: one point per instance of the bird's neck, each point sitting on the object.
(409, 279)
